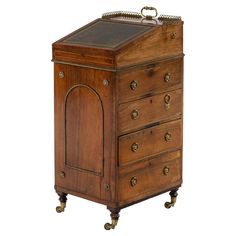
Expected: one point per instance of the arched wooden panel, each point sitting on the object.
(84, 130)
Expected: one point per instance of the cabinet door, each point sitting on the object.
(83, 111)
(84, 129)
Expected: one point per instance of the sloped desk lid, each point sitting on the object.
(105, 43)
(106, 34)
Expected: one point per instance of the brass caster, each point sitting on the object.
(114, 219)
(173, 195)
(109, 226)
(62, 199)
(61, 208)
(168, 205)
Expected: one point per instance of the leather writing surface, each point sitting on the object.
(106, 34)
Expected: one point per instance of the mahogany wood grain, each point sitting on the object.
(86, 196)
(82, 54)
(150, 79)
(150, 110)
(95, 57)
(149, 142)
(164, 41)
(161, 41)
(95, 127)
(150, 177)
(82, 151)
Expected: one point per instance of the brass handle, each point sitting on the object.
(173, 35)
(168, 136)
(134, 114)
(167, 101)
(133, 181)
(166, 170)
(149, 17)
(61, 75)
(133, 84)
(167, 77)
(167, 98)
(134, 147)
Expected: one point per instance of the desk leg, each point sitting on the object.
(114, 219)
(173, 195)
(62, 199)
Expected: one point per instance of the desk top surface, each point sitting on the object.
(109, 34)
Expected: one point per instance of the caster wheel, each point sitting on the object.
(59, 209)
(107, 226)
(168, 205)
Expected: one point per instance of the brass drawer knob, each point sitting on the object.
(105, 82)
(133, 181)
(167, 77)
(61, 75)
(133, 84)
(134, 147)
(134, 114)
(173, 35)
(166, 170)
(168, 136)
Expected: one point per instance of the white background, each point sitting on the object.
(206, 202)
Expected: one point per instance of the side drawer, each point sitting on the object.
(150, 141)
(146, 111)
(165, 41)
(153, 78)
(151, 177)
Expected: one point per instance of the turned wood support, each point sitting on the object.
(62, 199)
(114, 219)
(173, 195)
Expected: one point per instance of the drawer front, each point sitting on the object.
(136, 146)
(137, 114)
(150, 177)
(151, 79)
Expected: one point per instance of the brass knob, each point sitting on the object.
(168, 136)
(166, 170)
(133, 181)
(105, 82)
(61, 75)
(173, 35)
(134, 114)
(167, 77)
(62, 174)
(133, 84)
(167, 101)
(134, 147)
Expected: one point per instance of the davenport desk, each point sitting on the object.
(118, 85)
